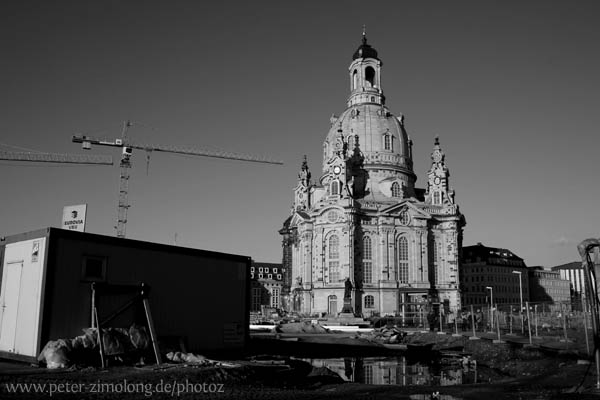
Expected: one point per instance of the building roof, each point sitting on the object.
(491, 255)
(266, 264)
(57, 233)
(365, 50)
(571, 265)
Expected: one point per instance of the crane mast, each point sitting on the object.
(127, 147)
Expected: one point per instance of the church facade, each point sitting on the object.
(364, 220)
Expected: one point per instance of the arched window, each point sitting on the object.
(387, 142)
(367, 260)
(335, 188)
(333, 261)
(334, 247)
(350, 142)
(354, 79)
(396, 190)
(370, 76)
(402, 273)
(369, 301)
(434, 260)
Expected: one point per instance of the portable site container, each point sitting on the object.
(199, 296)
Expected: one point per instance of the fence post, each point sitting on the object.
(564, 313)
(474, 337)
(585, 329)
(456, 324)
(536, 320)
(528, 322)
(499, 340)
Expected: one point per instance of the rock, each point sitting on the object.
(56, 353)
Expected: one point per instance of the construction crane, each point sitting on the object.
(127, 147)
(591, 294)
(56, 158)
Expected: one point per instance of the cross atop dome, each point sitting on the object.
(365, 50)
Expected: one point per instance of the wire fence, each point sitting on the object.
(560, 322)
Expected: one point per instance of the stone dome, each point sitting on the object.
(381, 137)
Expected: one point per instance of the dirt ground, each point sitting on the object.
(515, 373)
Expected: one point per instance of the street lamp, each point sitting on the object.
(521, 295)
(491, 289)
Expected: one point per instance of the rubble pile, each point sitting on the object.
(84, 349)
(386, 335)
(300, 327)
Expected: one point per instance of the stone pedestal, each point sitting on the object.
(347, 309)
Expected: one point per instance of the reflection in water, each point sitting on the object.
(396, 371)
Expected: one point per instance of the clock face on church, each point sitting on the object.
(437, 180)
(337, 170)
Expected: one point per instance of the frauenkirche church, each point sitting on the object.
(365, 220)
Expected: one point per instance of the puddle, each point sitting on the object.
(396, 371)
(432, 396)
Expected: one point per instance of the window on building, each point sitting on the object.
(270, 276)
(387, 141)
(251, 269)
(251, 275)
(368, 374)
(334, 188)
(355, 79)
(370, 76)
(260, 269)
(367, 260)
(334, 271)
(369, 301)
(260, 276)
(434, 260)
(402, 275)
(404, 217)
(437, 197)
(396, 190)
(275, 298)
(333, 253)
(256, 298)
(278, 276)
(274, 270)
(93, 269)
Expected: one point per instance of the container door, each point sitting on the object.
(9, 305)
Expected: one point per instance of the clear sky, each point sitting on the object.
(511, 87)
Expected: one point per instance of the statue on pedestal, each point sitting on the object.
(348, 289)
(347, 309)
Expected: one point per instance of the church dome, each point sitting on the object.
(382, 138)
(365, 51)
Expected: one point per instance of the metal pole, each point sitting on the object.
(528, 323)
(492, 306)
(585, 328)
(521, 295)
(587, 340)
(473, 321)
(456, 323)
(440, 312)
(536, 320)
(593, 301)
(498, 325)
(565, 322)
